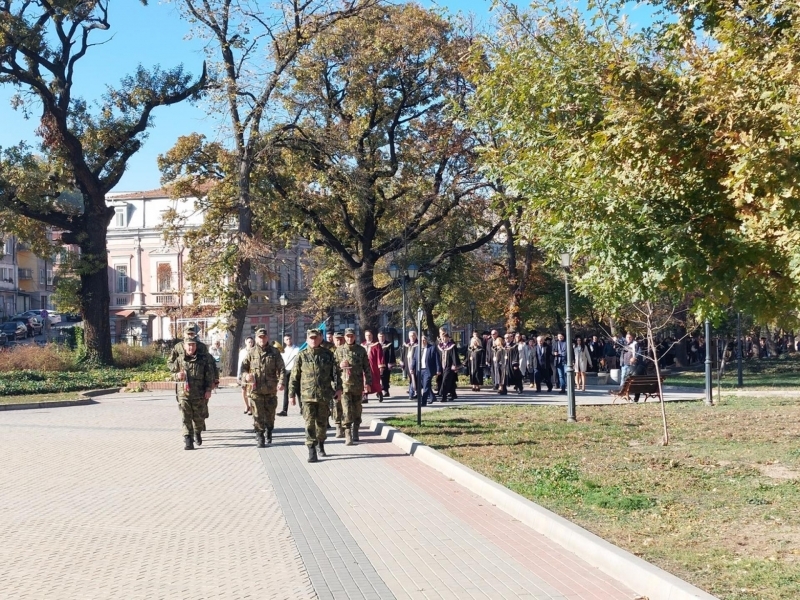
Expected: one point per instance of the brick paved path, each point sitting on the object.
(102, 502)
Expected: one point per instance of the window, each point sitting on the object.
(49, 276)
(25, 273)
(41, 277)
(44, 303)
(164, 277)
(122, 278)
(8, 247)
(6, 274)
(120, 216)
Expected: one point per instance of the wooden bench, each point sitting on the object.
(638, 384)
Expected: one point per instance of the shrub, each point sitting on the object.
(130, 357)
(48, 358)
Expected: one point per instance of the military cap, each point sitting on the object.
(349, 331)
(261, 331)
(312, 333)
(339, 334)
(189, 339)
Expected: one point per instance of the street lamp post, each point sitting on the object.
(284, 301)
(709, 398)
(419, 366)
(566, 264)
(410, 274)
(472, 318)
(739, 382)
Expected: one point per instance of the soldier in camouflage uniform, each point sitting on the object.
(317, 378)
(263, 369)
(352, 359)
(190, 331)
(336, 404)
(195, 377)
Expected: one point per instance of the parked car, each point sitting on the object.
(53, 317)
(3, 339)
(14, 330)
(72, 317)
(33, 324)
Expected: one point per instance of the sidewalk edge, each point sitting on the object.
(647, 579)
(57, 404)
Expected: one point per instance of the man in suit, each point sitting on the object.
(542, 359)
(560, 361)
(430, 365)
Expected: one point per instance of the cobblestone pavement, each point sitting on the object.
(102, 502)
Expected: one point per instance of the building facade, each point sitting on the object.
(26, 280)
(151, 298)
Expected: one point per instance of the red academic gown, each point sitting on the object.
(375, 357)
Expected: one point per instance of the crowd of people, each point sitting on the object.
(334, 377)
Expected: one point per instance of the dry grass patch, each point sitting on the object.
(720, 507)
(48, 358)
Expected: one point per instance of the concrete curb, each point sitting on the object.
(646, 579)
(57, 404)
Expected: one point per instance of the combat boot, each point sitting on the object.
(197, 438)
(312, 454)
(260, 439)
(322, 449)
(269, 435)
(340, 431)
(348, 437)
(355, 431)
(187, 443)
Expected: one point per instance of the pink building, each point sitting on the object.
(150, 297)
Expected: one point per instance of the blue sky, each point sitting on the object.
(150, 35)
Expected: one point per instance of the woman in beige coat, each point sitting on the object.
(583, 360)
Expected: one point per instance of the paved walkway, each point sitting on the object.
(102, 502)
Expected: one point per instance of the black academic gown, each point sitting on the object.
(475, 362)
(450, 360)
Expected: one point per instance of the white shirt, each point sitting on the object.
(288, 355)
(242, 355)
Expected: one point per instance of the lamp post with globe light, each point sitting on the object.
(410, 274)
(566, 264)
(284, 301)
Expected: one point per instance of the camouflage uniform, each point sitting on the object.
(266, 366)
(315, 377)
(199, 380)
(336, 403)
(190, 332)
(353, 360)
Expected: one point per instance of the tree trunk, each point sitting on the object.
(681, 356)
(241, 271)
(367, 299)
(612, 326)
(95, 297)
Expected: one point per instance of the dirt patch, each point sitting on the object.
(777, 471)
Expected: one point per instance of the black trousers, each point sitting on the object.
(286, 393)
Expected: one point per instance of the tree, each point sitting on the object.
(603, 133)
(375, 157)
(41, 46)
(251, 48)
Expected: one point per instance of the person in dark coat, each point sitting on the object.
(512, 364)
(542, 361)
(475, 362)
(430, 366)
(389, 360)
(450, 365)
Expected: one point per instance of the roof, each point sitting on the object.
(145, 195)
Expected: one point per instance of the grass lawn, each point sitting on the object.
(719, 507)
(33, 398)
(773, 373)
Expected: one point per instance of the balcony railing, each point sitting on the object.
(122, 300)
(166, 299)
